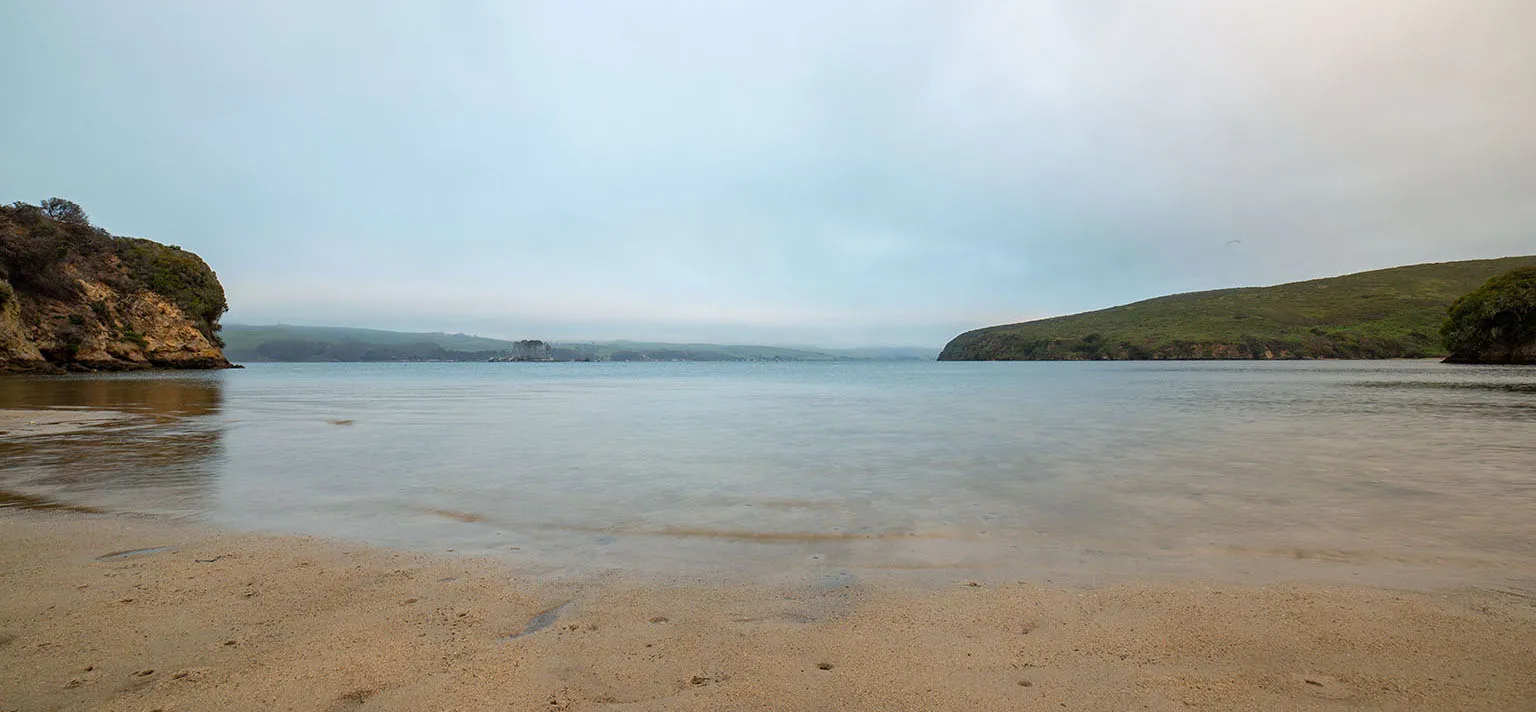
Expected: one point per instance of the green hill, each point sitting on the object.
(1389, 313)
(282, 342)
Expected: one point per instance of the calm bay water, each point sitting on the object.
(1396, 472)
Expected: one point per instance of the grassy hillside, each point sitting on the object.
(1389, 313)
(331, 343)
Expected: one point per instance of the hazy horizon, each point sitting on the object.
(857, 174)
(683, 339)
(582, 340)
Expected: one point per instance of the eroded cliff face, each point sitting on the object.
(74, 298)
(108, 331)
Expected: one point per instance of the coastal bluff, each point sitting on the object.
(1387, 313)
(74, 297)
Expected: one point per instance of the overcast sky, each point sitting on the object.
(817, 172)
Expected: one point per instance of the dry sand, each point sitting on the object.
(221, 621)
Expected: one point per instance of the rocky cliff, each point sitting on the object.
(75, 298)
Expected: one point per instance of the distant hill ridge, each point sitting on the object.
(283, 342)
(1386, 313)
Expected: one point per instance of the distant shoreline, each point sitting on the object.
(290, 344)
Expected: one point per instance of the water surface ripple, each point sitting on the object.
(1399, 472)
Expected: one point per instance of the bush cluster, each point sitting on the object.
(1496, 323)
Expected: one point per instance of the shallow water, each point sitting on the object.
(1412, 473)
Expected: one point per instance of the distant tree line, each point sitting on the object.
(358, 351)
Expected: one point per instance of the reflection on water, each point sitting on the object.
(1400, 472)
(17, 500)
(160, 395)
(162, 455)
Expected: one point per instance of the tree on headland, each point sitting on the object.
(66, 211)
(1496, 323)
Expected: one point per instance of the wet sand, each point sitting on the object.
(112, 612)
(21, 423)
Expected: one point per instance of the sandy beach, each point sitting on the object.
(111, 612)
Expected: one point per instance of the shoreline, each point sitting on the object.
(116, 612)
(101, 368)
(758, 559)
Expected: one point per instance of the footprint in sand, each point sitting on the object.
(357, 697)
(1328, 688)
(130, 553)
(544, 619)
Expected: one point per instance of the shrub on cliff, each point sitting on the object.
(65, 211)
(1496, 323)
(34, 248)
(179, 276)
